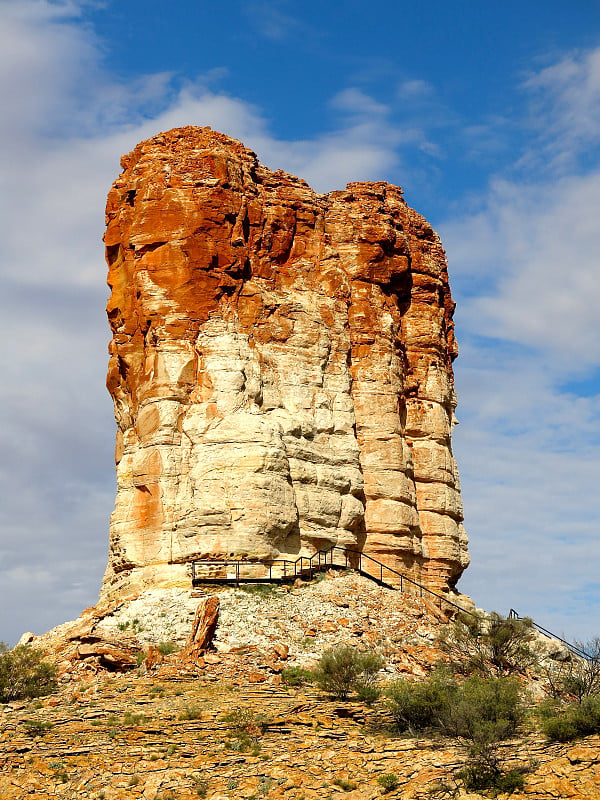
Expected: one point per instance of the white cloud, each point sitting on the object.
(525, 270)
(65, 124)
(566, 106)
(414, 89)
(272, 19)
(528, 265)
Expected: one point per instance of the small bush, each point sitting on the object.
(388, 781)
(190, 713)
(246, 721)
(36, 727)
(342, 668)
(489, 645)
(346, 785)
(133, 719)
(200, 784)
(480, 777)
(24, 673)
(167, 648)
(559, 729)
(480, 713)
(417, 706)
(484, 710)
(565, 722)
(367, 692)
(296, 676)
(246, 727)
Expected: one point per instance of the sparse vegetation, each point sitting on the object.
(259, 589)
(343, 668)
(24, 673)
(247, 727)
(563, 722)
(134, 625)
(576, 677)
(167, 648)
(200, 784)
(133, 719)
(489, 645)
(296, 676)
(388, 781)
(480, 712)
(36, 727)
(368, 693)
(345, 784)
(190, 712)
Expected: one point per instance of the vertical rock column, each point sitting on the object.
(280, 368)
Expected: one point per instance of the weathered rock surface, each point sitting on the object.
(280, 367)
(203, 627)
(166, 735)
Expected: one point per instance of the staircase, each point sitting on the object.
(279, 570)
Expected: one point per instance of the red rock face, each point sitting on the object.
(280, 367)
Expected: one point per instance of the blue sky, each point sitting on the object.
(488, 114)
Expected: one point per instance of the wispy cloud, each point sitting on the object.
(273, 19)
(524, 267)
(525, 275)
(66, 122)
(565, 109)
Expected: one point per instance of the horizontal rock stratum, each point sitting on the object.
(281, 369)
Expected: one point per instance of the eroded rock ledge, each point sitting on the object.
(280, 367)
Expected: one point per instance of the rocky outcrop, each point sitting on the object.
(280, 368)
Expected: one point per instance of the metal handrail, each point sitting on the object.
(321, 556)
(578, 651)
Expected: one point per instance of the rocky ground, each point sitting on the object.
(306, 618)
(159, 731)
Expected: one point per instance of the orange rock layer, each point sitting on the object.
(280, 368)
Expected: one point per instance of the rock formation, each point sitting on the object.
(280, 368)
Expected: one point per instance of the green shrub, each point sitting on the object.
(190, 713)
(36, 727)
(133, 719)
(244, 719)
(417, 706)
(388, 781)
(479, 777)
(200, 784)
(484, 710)
(480, 712)
(296, 676)
(342, 668)
(345, 784)
(489, 645)
(559, 728)
(565, 722)
(167, 648)
(367, 692)
(24, 673)
(246, 728)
